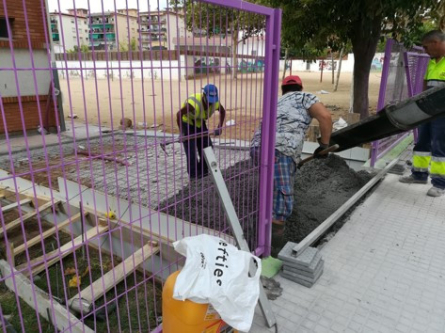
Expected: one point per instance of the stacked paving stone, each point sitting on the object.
(304, 269)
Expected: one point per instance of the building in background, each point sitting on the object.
(159, 29)
(27, 102)
(110, 29)
(66, 27)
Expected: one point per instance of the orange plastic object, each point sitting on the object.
(187, 316)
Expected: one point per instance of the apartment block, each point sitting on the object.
(159, 28)
(110, 29)
(66, 27)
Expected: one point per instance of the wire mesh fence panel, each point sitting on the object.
(402, 77)
(106, 108)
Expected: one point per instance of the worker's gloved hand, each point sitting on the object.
(218, 131)
(319, 149)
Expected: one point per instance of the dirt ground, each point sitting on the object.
(154, 101)
(321, 187)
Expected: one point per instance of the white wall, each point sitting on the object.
(347, 66)
(302, 66)
(255, 44)
(25, 78)
(175, 28)
(150, 69)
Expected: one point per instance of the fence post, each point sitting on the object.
(382, 93)
(272, 60)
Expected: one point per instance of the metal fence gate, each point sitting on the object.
(94, 187)
(402, 77)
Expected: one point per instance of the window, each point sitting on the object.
(72, 21)
(85, 22)
(86, 30)
(4, 27)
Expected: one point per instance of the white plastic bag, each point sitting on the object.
(339, 124)
(216, 272)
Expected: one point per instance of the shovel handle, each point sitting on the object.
(323, 152)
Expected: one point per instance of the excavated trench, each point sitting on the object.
(321, 187)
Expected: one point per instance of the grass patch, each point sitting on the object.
(133, 305)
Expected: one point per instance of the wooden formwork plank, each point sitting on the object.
(15, 205)
(46, 234)
(28, 216)
(102, 285)
(63, 251)
(49, 309)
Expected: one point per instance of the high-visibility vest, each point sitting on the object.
(196, 117)
(435, 73)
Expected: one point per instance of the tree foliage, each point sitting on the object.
(320, 23)
(133, 44)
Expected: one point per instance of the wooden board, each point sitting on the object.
(102, 285)
(46, 234)
(14, 205)
(28, 216)
(63, 251)
(32, 295)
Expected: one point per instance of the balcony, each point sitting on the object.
(101, 31)
(111, 37)
(102, 25)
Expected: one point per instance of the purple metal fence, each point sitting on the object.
(88, 215)
(402, 77)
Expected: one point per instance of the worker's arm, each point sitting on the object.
(186, 109)
(222, 116)
(319, 112)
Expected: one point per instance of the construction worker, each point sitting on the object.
(191, 120)
(295, 111)
(429, 150)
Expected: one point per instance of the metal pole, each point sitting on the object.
(233, 220)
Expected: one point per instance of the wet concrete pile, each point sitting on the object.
(321, 187)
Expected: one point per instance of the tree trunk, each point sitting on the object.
(364, 45)
(286, 53)
(235, 54)
(333, 68)
(351, 102)
(339, 68)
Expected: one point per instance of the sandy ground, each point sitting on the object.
(155, 101)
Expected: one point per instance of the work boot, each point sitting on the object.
(277, 237)
(435, 192)
(412, 180)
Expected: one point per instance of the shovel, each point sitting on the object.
(323, 152)
(164, 144)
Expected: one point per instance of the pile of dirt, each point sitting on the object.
(321, 187)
